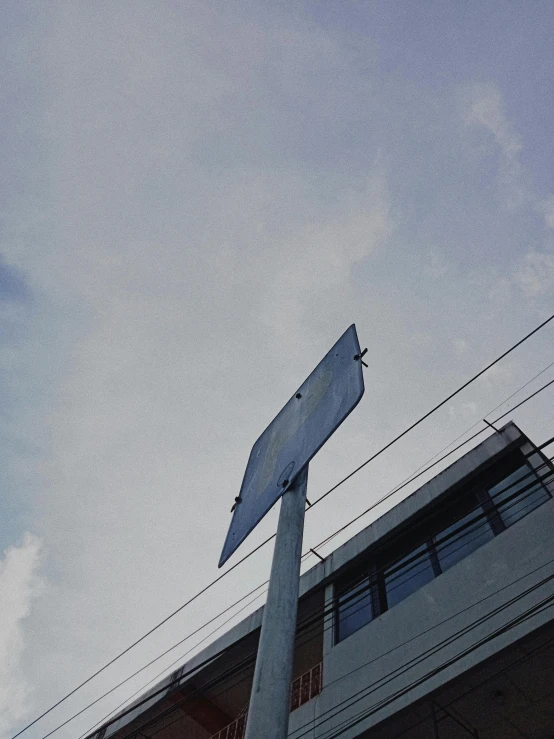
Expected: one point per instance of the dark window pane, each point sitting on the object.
(354, 608)
(462, 538)
(407, 575)
(518, 494)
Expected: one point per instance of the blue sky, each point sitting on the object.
(197, 199)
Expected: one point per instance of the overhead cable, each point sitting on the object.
(312, 623)
(322, 497)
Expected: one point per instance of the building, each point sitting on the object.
(437, 620)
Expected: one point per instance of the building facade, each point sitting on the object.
(437, 620)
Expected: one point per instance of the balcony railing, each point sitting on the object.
(303, 689)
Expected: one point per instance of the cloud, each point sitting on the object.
(213, 218)
(535, 274)
(436, 266)
(317, 263)
(498, 375)
(484, 108)
(18, 586)
(462, 411)
(460, 346)
(546, 209)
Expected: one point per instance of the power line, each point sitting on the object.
(248, 660)
(549, 578)
(163, 714)
(470, 428)
(144, 667)
(232, 606)
(531, 475)
(247, 595)
(533, 611)
(433, 464)
(518, 493)
(322, 497)
(528, 613)
(436, 408)
(303, 627)
(166, 712)
(537, 650)
(165, 669)
(398, 672)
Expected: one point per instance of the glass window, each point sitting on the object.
(518, 494)
(408, 574)
(465, 521)
(354, 607)
(462, 538)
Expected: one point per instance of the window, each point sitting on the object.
(354, 605)
(408, 574)
(462, 524)
(518, 494)
(462, 538)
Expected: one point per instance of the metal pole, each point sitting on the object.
(268, 714)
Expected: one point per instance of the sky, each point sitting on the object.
(196, 200)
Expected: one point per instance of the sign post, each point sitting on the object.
(268, 713)
(278, 468)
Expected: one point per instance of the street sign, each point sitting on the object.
(296, 434)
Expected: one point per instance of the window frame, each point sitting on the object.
(474, 492)
(366, 569)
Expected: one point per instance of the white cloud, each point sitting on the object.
(436, 266)
(535, 274)
(460, 347)
(485, 108)
(498, 375)
(316, 266)
(500, 290)
(462, 411)
(18, 586)
(546, 209)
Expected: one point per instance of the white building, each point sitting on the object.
(437, 620)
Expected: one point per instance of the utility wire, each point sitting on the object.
(470, 428)
(165, 669)
(518, 497)
(322, 497)
(426, 469)
(315, 621)
(167, 712)
(97, 700)
(366, 690)
(164, 713)
(492, 410)
(533, 611)
(527, 655)
(433, 410)
(236, 603)
(547, 443)
(512, 623)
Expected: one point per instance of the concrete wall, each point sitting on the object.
(384, 657)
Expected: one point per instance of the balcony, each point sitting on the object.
(303, 689)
